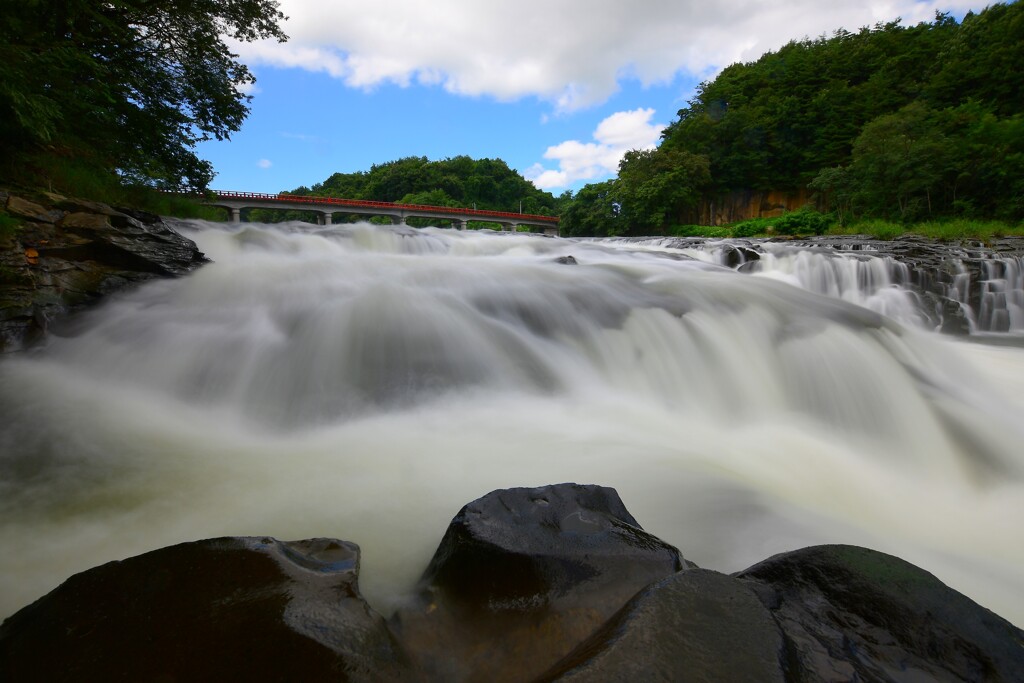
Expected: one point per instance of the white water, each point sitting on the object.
(365, 383)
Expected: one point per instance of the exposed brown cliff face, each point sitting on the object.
(743, 204)
(59, 255)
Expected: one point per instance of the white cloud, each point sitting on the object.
(264, 163)
(249, 89)
(570, 52)
(613, 137)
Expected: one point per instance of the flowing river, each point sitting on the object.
(364, 383)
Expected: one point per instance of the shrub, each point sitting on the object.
(803, 222)
(753, 226)
(697, 231)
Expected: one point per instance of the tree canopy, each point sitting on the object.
(461, 181)
(126, 85)
(891, 121)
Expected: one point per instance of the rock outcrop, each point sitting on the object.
(962, 287)
(228, 609)
(59, 255)
(557, 583)
(522, 576)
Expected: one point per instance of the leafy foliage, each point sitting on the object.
(657, 186)
(595, 211)
(904, 123)
(803, 222)
(126, 85)
(486, 184)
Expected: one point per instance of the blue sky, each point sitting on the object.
(559, 89)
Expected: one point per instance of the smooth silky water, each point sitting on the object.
(364, 383)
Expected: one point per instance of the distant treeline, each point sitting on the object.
(486, 184)
(891, 122)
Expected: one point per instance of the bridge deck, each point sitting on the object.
(385, 207)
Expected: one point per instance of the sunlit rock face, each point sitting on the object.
(529, 584)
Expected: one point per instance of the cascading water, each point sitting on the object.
(365, 382)
(929, 295)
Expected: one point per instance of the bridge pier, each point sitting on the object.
(324, 209)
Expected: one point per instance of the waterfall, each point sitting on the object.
(364, 382)
(984, 288)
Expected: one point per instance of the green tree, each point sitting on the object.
(596, 211)
(899, 161)
(126, 85)
(656, 186)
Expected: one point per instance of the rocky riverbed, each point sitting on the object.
(557, 583)
(961, 287)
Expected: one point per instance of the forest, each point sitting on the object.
(902, 123)
(486, 184)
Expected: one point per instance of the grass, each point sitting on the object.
(946, 231)
(699, 231)
(802, 223)
(75, 179)
(9, 226)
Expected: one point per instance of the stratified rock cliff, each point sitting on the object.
(59, 255)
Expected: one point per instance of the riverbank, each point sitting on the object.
(800, 224)
(59, 255)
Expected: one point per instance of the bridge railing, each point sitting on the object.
(393, 206)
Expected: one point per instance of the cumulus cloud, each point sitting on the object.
(570, 52)
(264, 163)
(613, 137)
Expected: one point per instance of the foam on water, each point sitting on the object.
(365, 382)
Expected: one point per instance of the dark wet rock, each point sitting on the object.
(23, 208)
(696, 626)
(735, 256)
(855, 614)
(522, 576)
(557, 583)
(566, 260)
(961, 285)
(67, 254)
(230, 609)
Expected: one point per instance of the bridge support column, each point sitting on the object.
(328, 217)
(236, 215)
(458, 225)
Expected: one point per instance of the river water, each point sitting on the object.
(364, 383)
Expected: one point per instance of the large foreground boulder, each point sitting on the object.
(697, 626)
(228, 609)
(817, 615)
(524, 575)
(557, 583)
(855, 614)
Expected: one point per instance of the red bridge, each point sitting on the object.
(326, 207)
